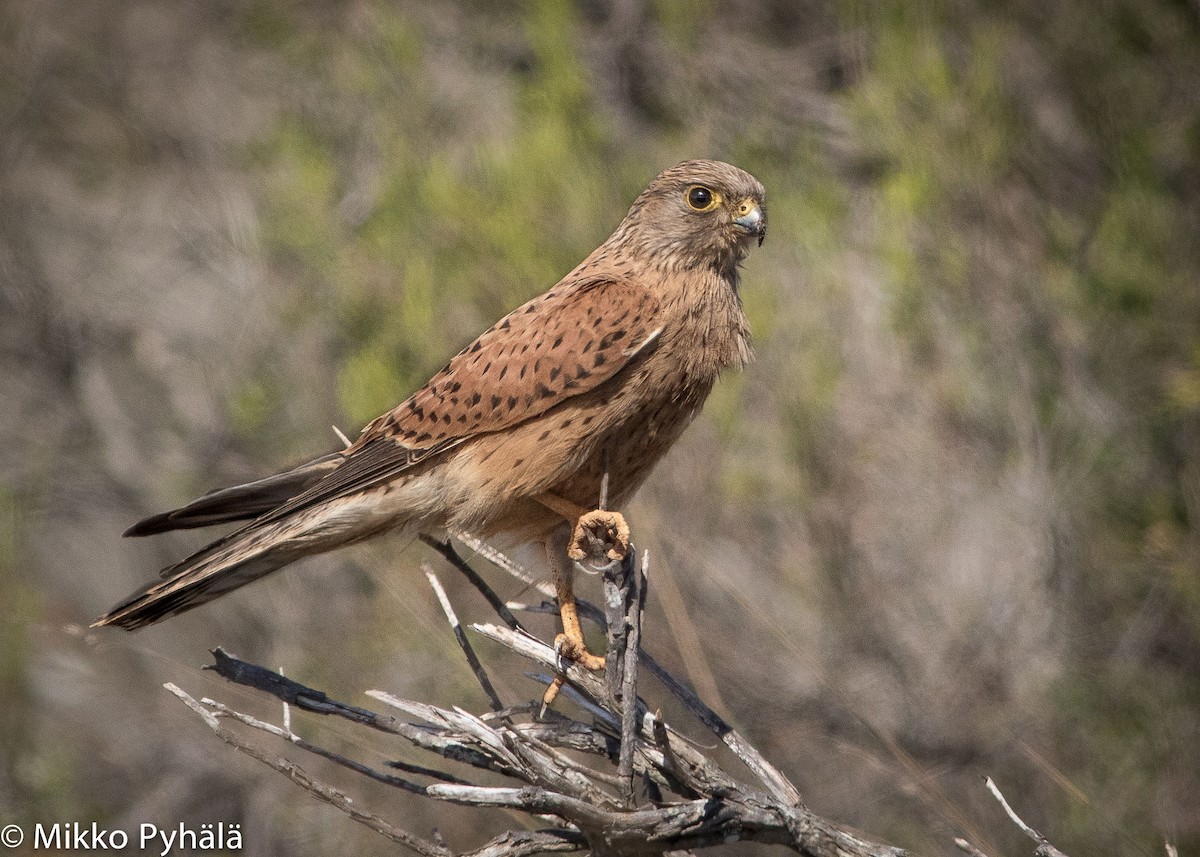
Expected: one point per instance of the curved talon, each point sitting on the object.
(572, 650)
(600, 533)
(575, 650)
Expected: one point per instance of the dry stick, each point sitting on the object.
(309, 699)
(566, 761)
(490, 742)
(686, 785)
(496, 755)
(967, 848)
(463, 643)
(525, 843)
(713, 820)
(692, 824)
(1044, 848)
(770, 776)
(451, 556)
(512, 843)
(737, 809)
(316, 788)
(702, 774)
(528, 760)
(719, 808)
(636, 599)
(623, 616)
(734, 814)
(286, 733)
(501, 561)
(616, 593)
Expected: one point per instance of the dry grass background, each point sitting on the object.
(944, 526)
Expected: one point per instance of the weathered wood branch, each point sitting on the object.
(1044, 847)
(647, 790)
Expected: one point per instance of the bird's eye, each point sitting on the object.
(701, 198)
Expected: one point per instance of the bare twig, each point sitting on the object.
(768, 774)
(451, 556)
(347, 442)
(967, 848)
(1044, 848)
(635, 586)
(309, 699)
(286, 733)
(503, 562)
(463, 643)
(522, 843)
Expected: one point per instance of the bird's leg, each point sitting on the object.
(570, 642)
(595, 533)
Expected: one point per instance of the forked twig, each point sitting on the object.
(463, 643)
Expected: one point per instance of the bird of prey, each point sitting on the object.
(590, 381)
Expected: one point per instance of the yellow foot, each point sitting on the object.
(600, 534)
(551, 693)
(575, 650)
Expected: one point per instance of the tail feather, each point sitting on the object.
(245, 555)
(227, 564)
(281, 530)
(241, 502)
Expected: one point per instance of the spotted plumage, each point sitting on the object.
(601, 372)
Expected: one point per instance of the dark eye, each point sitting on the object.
(699, 197)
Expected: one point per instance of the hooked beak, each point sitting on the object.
(752, 220)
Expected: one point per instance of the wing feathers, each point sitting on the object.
(240, 502)
(569, 340)
(530, 361)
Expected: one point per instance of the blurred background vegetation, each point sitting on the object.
(945, 526)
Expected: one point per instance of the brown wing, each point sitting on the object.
(565, 342)
(559, 344)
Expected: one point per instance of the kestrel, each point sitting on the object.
(512, 440)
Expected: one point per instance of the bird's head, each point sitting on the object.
(697, 214)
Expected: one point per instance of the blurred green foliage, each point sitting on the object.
(1111, 291)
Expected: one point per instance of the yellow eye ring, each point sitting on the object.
(701, 198)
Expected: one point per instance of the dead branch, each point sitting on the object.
(302, 778)
(644, 789)
(1044, 848)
